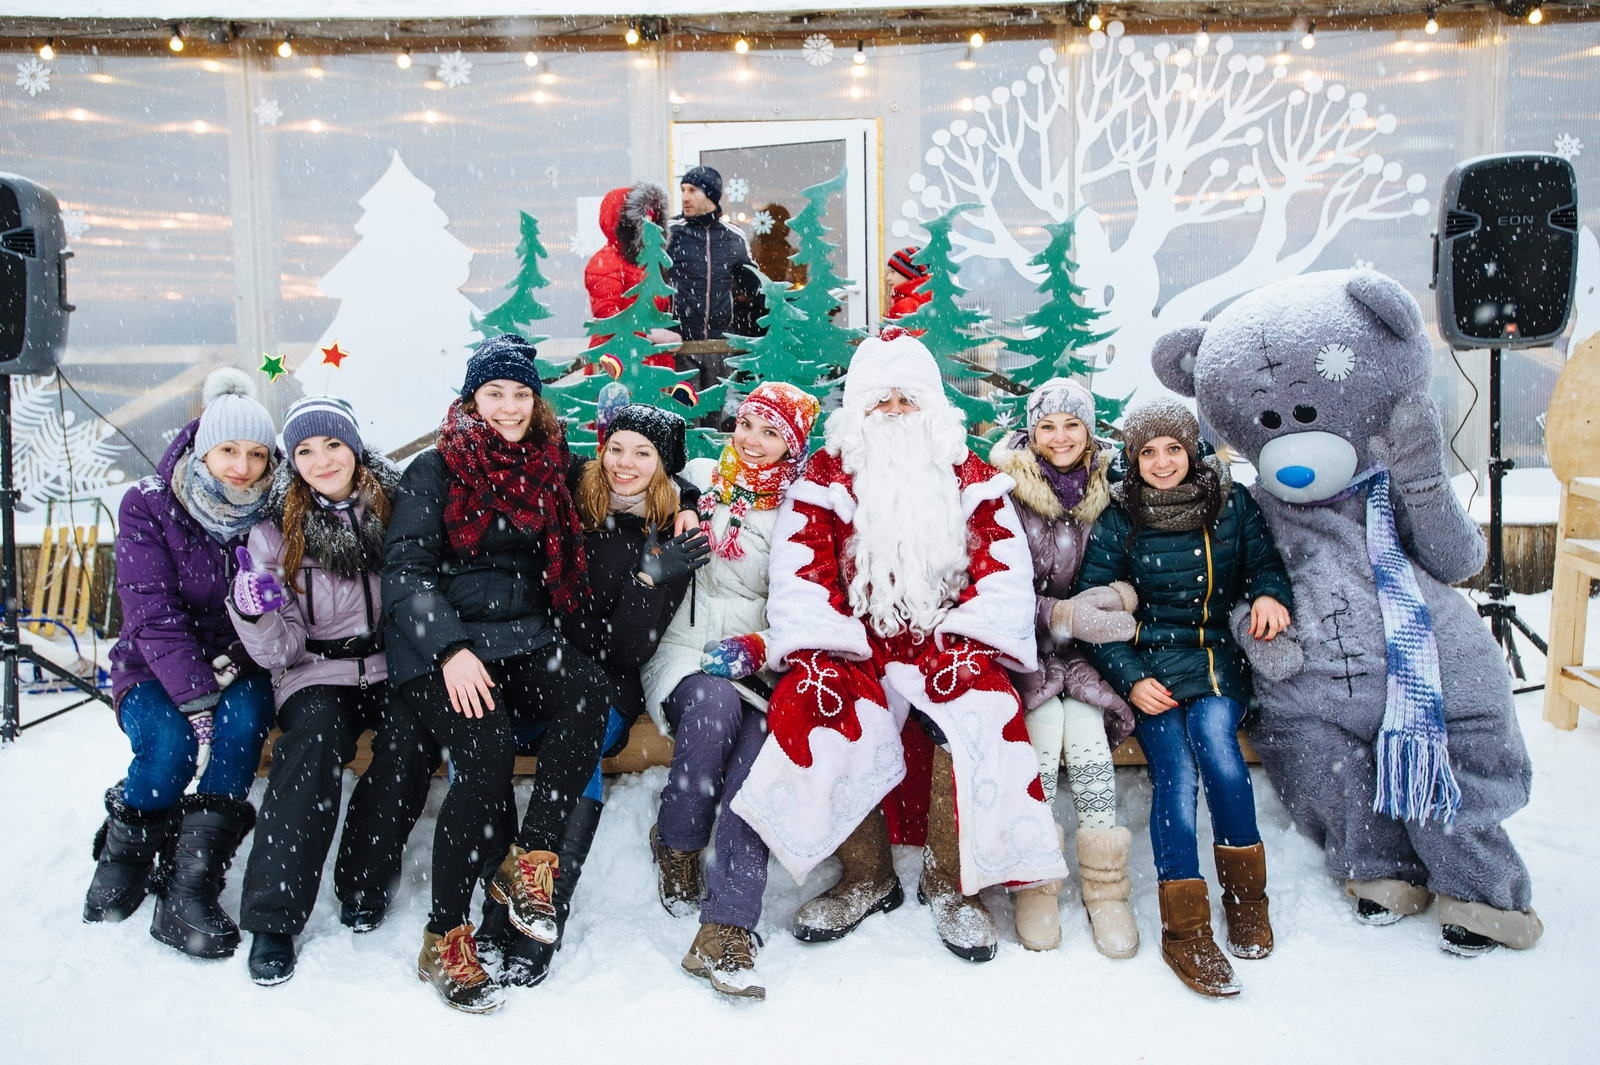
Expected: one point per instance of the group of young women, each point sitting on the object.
(501, 597)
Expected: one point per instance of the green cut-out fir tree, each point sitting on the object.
(522, 308)
(820, 339)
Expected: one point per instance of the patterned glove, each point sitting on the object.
(204, 726)
(664, 561)
(955, 669)
(735, 658)
(1096, 615)
(255, 592)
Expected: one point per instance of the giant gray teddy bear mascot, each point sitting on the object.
(1387, 724)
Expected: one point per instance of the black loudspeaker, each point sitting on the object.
(1505, 256)
(33, 278)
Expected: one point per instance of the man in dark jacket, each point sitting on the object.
(717, 293)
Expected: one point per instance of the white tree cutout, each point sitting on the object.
(57, 454)
(1192, 136)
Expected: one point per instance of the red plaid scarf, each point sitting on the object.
(524, 482)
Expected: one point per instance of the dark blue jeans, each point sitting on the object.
(165, 750)
(1192, 744)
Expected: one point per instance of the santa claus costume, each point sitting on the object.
(901, 583)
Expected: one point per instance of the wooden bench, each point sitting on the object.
(1572, 440)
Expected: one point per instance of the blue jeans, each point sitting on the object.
(165, 750)
(1196, 743)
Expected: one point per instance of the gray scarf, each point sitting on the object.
(226, 512)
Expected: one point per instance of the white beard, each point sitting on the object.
(910, 544)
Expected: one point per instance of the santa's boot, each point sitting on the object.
(1242, 872)
(125, 852)
(1186, 943)
(867, 885)
(1037, 912)
(1103, 869)
(964, 924)
(1473, 928)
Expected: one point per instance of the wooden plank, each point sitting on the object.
(1589, 675)
(80, 623)
(69, 598)
(41, 576)
(58, 574)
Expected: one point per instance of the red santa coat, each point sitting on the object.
(834, 749)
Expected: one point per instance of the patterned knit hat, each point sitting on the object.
(901, 263)
(664, 429)
(506, 357)
(1160, 417)
(321, 416)
(232, 413)
(1060, 395)
(791, 409)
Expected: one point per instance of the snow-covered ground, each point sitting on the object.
(1333, 991)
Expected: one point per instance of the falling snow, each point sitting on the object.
(455, 70)
(818, 50)
(268, 112)
(736, 189)
(33, 77)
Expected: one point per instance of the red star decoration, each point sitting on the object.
(332, 356)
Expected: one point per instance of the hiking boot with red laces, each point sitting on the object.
(525, 882)
(450, 963)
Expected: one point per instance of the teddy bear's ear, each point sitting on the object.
(1384, 297)
(1173, 357)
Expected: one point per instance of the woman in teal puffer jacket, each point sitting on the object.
(1198, 553)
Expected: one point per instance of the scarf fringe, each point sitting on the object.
(1415, 781)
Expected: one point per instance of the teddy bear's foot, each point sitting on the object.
(1381, 902)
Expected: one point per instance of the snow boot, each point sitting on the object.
(1242, 873)
(1474, 928)
(1103, 867)
(1383, 902)
(1186, 943)
(680, 883)
(525, 882)
(725, 954)
(188, 914)
(271, 958)
(527, 961)
(964, 924)
(363, 911)
(125, 851)
(1037, 911)
(450, 963)
(867, 885)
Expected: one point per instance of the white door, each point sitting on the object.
(764, 168)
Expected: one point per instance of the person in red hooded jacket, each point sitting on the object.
(909, 293)
(615, 269)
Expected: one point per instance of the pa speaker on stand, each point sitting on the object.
(33, 334)
(1505, 258)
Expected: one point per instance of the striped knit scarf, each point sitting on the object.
(742, 488)
(1415, 781)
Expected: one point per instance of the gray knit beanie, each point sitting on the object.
(232, 413)
(1160, 417)
(1060, 395)
(321, 416)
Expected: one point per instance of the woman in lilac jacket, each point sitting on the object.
(187, 694)
(306, 603)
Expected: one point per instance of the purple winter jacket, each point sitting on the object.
(173, 580)
(1056, 539)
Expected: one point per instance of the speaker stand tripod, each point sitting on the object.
(12, 650)
(1504, 622)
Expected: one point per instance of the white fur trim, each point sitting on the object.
(1006, 834)
(835, 497)
(803, 814)
(904, 363)
(973, 495)
(799, 616)
(1000, 612)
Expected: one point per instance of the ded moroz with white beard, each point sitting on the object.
(901, 585)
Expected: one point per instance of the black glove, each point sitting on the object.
(664, 561)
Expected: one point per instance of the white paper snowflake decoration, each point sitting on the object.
(33, 77)
(736, 189)
(1335, 361)
(761, 224)
(74, 223)
(268, 111)
(1363, 264)
(455, 70)
(1568, 146)
(818, 50)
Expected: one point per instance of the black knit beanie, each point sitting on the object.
(506, 357)
(707, 181)
(664, 429)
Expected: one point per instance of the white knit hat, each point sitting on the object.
(232, 413)
(895, 360)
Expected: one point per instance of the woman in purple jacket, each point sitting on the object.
(183, 686)
(306, 603)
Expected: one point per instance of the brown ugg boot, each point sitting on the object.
(964, 924)
(450, 963)
(1186, 942)
(867, 885)
(1242, 872)
(1103, 868)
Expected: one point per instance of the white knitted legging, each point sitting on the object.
(1078, 729)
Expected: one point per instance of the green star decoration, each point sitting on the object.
(272, 366)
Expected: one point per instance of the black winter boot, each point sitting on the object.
(188, 914)
(125, 852)
(271, 957)
(527, 961)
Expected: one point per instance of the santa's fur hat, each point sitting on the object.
(894, 360)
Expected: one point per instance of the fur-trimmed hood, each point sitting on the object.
(623, 213)
(329, 539)
(1014, 455)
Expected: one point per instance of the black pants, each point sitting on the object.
(557, 685)
(301, 807)
(385, 805)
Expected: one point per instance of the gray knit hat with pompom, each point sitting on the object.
(232, 413)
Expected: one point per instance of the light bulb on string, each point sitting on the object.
(1430, 27)
(1536, 16)
(1309, 41)
(860, 58)
(976, 40)
(632, 36)
(1095, 21)
(530, 58)
(175, 42)
(403, 59)
(285, 49)
(741, 46)
(1202, 40)
(47, 50)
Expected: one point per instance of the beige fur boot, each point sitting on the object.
(1103, 868)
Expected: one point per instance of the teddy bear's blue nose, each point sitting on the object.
(1296, 476)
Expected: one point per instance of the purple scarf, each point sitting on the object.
(1068, 487)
